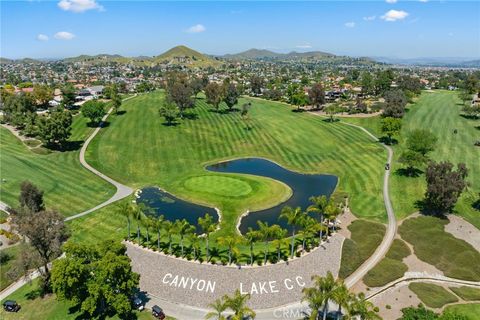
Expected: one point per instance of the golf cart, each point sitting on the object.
(11, 306)
(157, 312)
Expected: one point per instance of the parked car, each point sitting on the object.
(138, 303)
(158, 312)
(387, 166)
(11, 306)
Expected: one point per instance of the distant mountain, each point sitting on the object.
(182, 55)
(24, 60)
(97, 59)
(432, 61)
(258, 54)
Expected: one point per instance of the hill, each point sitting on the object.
(182, 55)
(253, 54)
(259, 54)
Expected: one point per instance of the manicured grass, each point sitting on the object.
(439, 112)
(470, 310)
(35, 307)
(68, 187)
(138, 150)
(13, 253)
(389, 268)
(434, 245)
(467, 293)
(366, 237)
(432, 295)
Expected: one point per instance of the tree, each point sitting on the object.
(125, 209)
(159, 225)
(318, 206)
(323, 290)
(169, 112)
(279, 234)
(250, 237)
(214, 94)
(367, 83)
(422, 141)
(137, 215)
(383, 81)
(363, 309)
(116, 98)
(409, 84)
(230, 242)
(395, 102)
(45, 231)
(256, 84)
(55, 129)
(245, 115)
(197, 84)
(472, 110)
(169, 228)
(42, 94)
(264, 232)
(182, 227)
(194, 244)
(444, 185)
(98, 279)
(31, 197)
(238, 304)
(391, 127)
(231, 95)
(421, 313)
(93, 110)
(218, 309)
(293, 217)
(412, 160)
(208, 226)
(332, 110)
(342, 297)
(68, 95)
(465, 96)
(316, 96)
(471, 84)
(180, 92)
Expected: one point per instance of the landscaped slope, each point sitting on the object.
(139, 150)
(67, 185)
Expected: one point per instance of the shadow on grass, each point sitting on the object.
(469, 117)
(388, 141)
(190, 115)
(170, 124)
(120, 112)
(299, 110)
(331, 120)
(476, 205)
(409, 172)
(426, 210)
(477, 127)
(34, 294)
(67, 146)
(103, 124)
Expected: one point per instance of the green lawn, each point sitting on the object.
(138, 150)
(434, 245)
(13, 253)
(35, 307)
(366, 237)
(439, 112)
(467, 293)
(470, 310)
(432, 295)
(68, 187)
(389, 268)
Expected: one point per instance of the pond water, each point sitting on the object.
(303, 187)
(163, 203)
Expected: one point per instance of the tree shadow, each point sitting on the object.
(426, 210)
(409, 172)
(476, 205)
(120, 112)
(299, 110)
(101, 124)
(170, 124)
(388, 141)
(329, 120)
(468, 116)
(67, 146)
(34, 294)
(477, 127)
(190, 115)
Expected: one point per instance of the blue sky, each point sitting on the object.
(62, 28)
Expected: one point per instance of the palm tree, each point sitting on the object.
(264, 232)
(293, 217)
(318, 207)
(238, 305)
(332, 211)
(310, 226)
(327, 286)
(194, 244)
(169, 228)
(363, 309)
(125, 209)
(159, 225)
(182, 227)
(208, 226)
(219, 307)
(137, 214)
(315, 301)
(149, 221)
(230, 242)
(342, 297)
(250, 237)
(279, 234)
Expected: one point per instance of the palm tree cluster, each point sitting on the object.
(326, 290)
(236, 303)
(305, 228)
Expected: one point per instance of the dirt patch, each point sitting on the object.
(462, 229)
(397, 298)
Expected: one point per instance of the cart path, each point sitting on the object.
(123, 191)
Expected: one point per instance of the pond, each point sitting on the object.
(303, 187)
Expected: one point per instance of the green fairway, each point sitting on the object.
(366, 237)
(469, 310)
(439, 112)
(138, 150)
(434, 245)
(68, 187)
(432, 295)
(467, 293)
(389, 268)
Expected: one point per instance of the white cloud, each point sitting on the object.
(42, 37)
(64, 35)
(350, 24)
(369, 18)
(304, 46)
(79, 5)
(196, 28)
(394, 15)
(391, 1)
